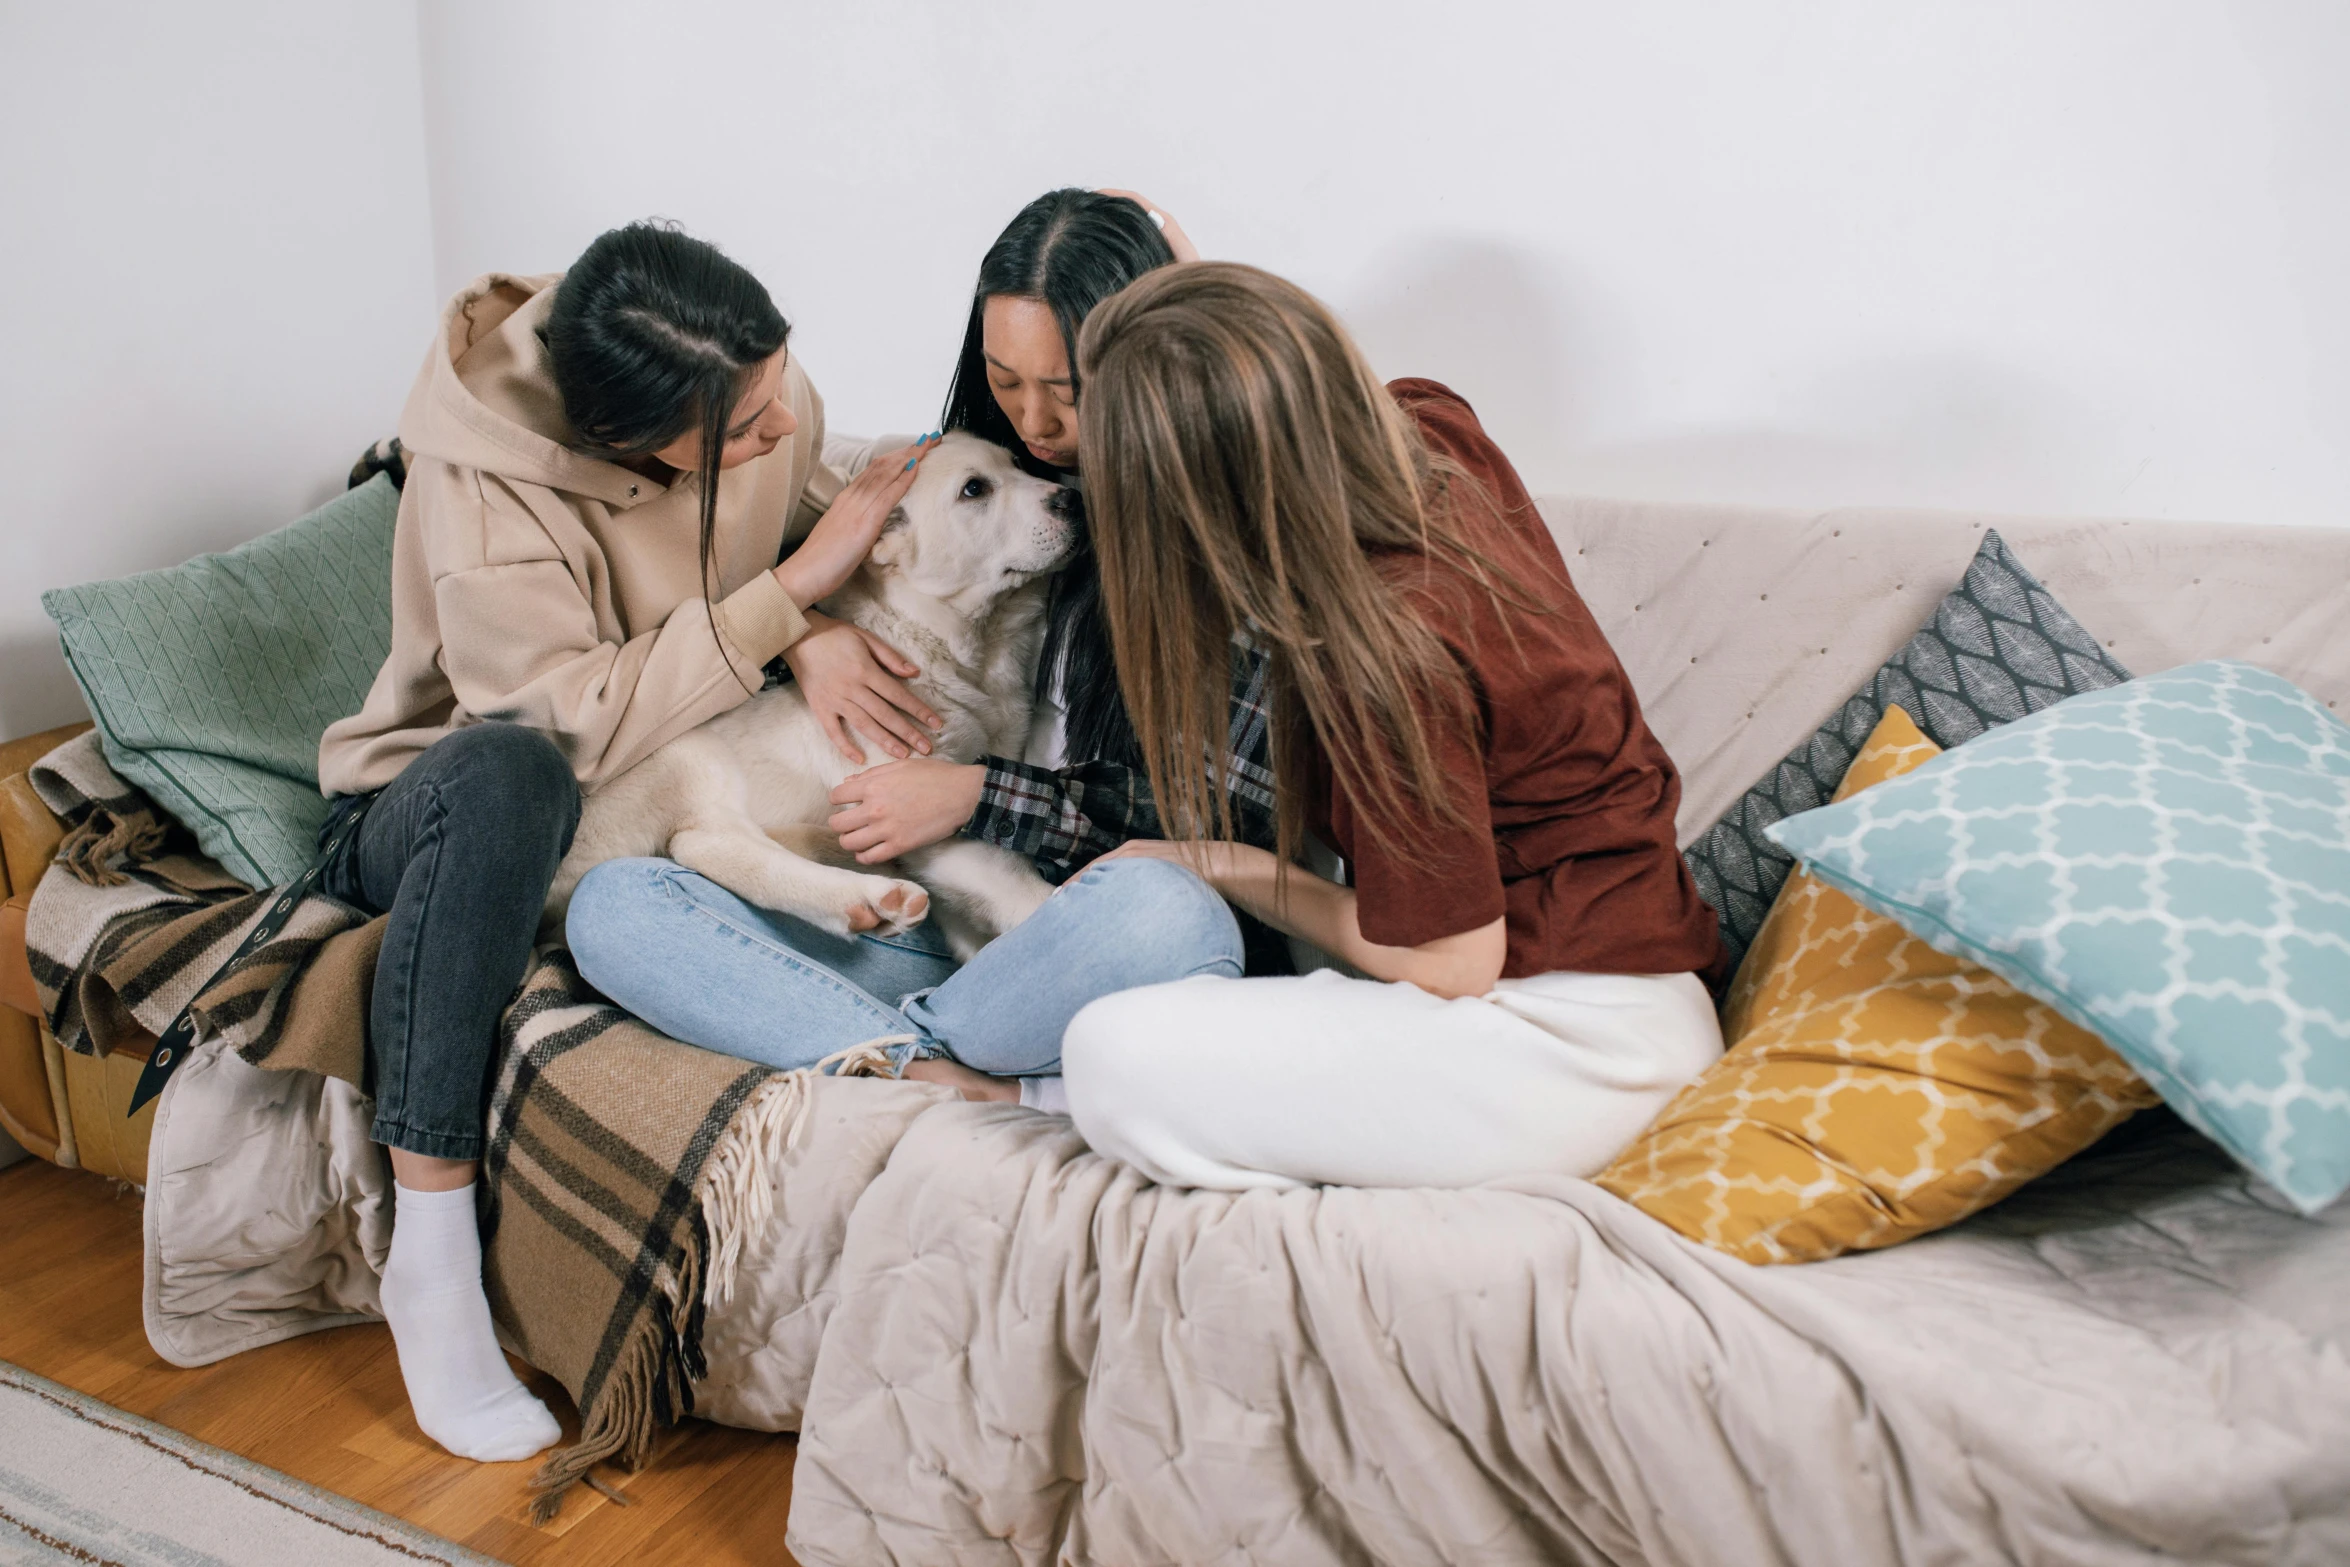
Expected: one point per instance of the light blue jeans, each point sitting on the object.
(701, 965)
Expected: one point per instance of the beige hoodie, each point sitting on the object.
(538, 586)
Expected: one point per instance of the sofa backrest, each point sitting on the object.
(1744, 628)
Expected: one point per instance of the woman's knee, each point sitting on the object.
(1102, 1027)
(514, 753)
(514, 780)
(1105, 1061)
(1145, 1082)
(606, 924)
(1165, 907)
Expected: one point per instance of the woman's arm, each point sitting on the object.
(854, 681)
(1324, 913)
(1059, 819)
(520, 640)
(1177, 241)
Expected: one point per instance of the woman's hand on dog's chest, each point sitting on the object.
(853, 678)
(899, 807)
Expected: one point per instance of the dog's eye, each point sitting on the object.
(976, 488)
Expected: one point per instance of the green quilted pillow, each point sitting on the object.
(211, 682)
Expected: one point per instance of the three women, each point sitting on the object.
(1336, 593)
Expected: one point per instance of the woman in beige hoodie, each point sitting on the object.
(617, 514)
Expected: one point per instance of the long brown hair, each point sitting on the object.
(1242, 463)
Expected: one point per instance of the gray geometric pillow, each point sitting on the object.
(1999, 647)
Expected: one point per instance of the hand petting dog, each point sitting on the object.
(853, 679)
(899, 807)
(844, 535)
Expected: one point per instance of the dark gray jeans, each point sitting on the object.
(459, 850)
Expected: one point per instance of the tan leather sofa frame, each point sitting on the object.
(69, 1109)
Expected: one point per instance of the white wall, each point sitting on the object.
(2090, 257)
(215, 284)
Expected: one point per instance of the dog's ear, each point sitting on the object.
(897, 537)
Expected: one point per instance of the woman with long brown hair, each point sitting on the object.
(1447, 717)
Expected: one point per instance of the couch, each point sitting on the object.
(1741, 627)
(67, 1108)
(1000, 1347)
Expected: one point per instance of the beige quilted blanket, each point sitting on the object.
(1001, 1348)
(1025, 1354)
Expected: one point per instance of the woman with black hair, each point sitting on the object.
(1064, 253)
(1081, 789)
(616, 514)
(706, 967)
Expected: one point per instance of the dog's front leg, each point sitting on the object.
(752, 866)
(992, 889)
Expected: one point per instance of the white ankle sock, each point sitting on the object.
(465, 1395)
(1048, 1094)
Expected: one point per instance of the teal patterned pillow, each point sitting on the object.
(211, 682)
(2168, 864)
(1999, 646)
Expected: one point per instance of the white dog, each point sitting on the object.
(954, 583)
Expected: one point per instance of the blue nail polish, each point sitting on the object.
(911, 461)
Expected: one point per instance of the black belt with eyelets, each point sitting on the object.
(174, 1043)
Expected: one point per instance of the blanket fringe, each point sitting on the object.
(737, 1186)
(620, 1426)
(870, 1059)
(736, 1190)
(648, 1390)
(90, 850)
(649, 1386)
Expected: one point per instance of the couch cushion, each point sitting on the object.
(1718, 611)
(1998, 646)
(212, 681)
(1874, 1089)
(2168, 864)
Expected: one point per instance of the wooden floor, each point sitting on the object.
(328, 1407)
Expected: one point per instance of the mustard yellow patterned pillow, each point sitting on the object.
(1874, 1089)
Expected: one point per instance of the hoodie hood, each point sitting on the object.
(486, 396)
(533, 585)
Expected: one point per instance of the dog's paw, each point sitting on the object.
(889, 907)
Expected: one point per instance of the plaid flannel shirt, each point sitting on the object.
(1064, 818)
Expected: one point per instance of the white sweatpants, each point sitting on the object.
(1235, 1083)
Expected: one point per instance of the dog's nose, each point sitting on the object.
(1066, 503)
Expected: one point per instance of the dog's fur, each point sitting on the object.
(956, 584)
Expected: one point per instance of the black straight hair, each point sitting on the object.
(654, 333)
(1069, 249)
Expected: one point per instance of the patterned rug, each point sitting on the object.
(87, 1484)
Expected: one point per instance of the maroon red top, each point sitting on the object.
(1570, 805)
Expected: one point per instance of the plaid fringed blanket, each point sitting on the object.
(633, 1169)
(625, 1170)
(137, 921)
